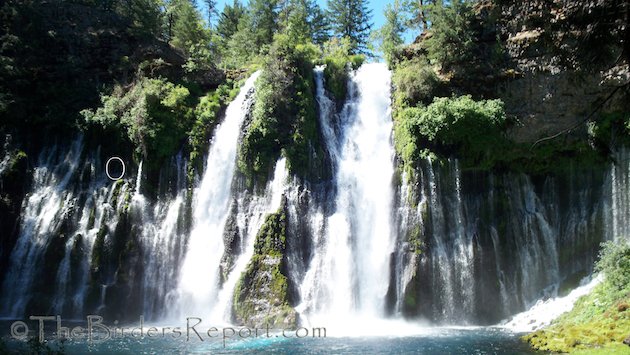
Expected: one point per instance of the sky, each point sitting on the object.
(377, 6)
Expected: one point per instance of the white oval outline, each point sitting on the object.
(107, 168)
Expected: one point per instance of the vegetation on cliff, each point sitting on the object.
(600, 321)
(446, 81)
(262, 296)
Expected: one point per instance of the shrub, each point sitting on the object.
(471, 129)
(415, 82)
(614, 262)
(153, 114)
(338, 61)
(610, 129)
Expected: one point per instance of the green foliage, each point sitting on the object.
(206, 115)
(185, 26)
(284, 113)
(461, 124)
(153, 114)
(599, 321)
(229, 21)
(145, 15)
(351, 19)
(390, 35)
(610, 129)
(614, 262)
(338, 60)
(263, 20)
(415, 81)
(304, 22)
(451, 40)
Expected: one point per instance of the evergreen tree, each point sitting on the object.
(229, 20)
(351, 19)
(211, 9)
(263, 20)
(390, 35)
(305, 21)
(185, 26)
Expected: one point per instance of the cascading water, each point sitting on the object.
(68, 205)
(252, 211)
(494, 245)
(199, 275)
(349, 273)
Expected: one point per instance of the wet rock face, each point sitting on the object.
(232, 242)
(262, 294)
(13, 184)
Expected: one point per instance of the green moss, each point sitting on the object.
(99, 247)
(416, 243)
(206, 115)
(262, 293)
(598, 321)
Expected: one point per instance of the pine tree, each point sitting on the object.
(185, 25)
(351, 19)
(304, 20)
(390, 34)
(211, 9)
(229, 20)
(263, 20)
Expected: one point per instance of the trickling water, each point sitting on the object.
(495, 245)
(163, 238)
(349, 273)
(252, 211)
(199, 275)
(68, 204)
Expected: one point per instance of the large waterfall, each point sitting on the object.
(199, 276)
(348, 275)
(444, 246)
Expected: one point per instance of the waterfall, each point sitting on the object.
(494, 245)
(349, 273)
(252, 211)
(163, 236)
(71, 200)
(199, 275)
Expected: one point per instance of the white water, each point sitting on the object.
(199, 275)
(250, 219)
(348, 276)
(545, 311)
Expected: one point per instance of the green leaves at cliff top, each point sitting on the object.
(449, 125)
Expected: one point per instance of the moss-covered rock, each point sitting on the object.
(600, 321)
(262, 294)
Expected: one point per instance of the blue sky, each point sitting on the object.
(377, 7)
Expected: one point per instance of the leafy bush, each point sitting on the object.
(451, 125)
(614, 262)
(415, 82)
(338, 60)
(610, 129)
(153, 114)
